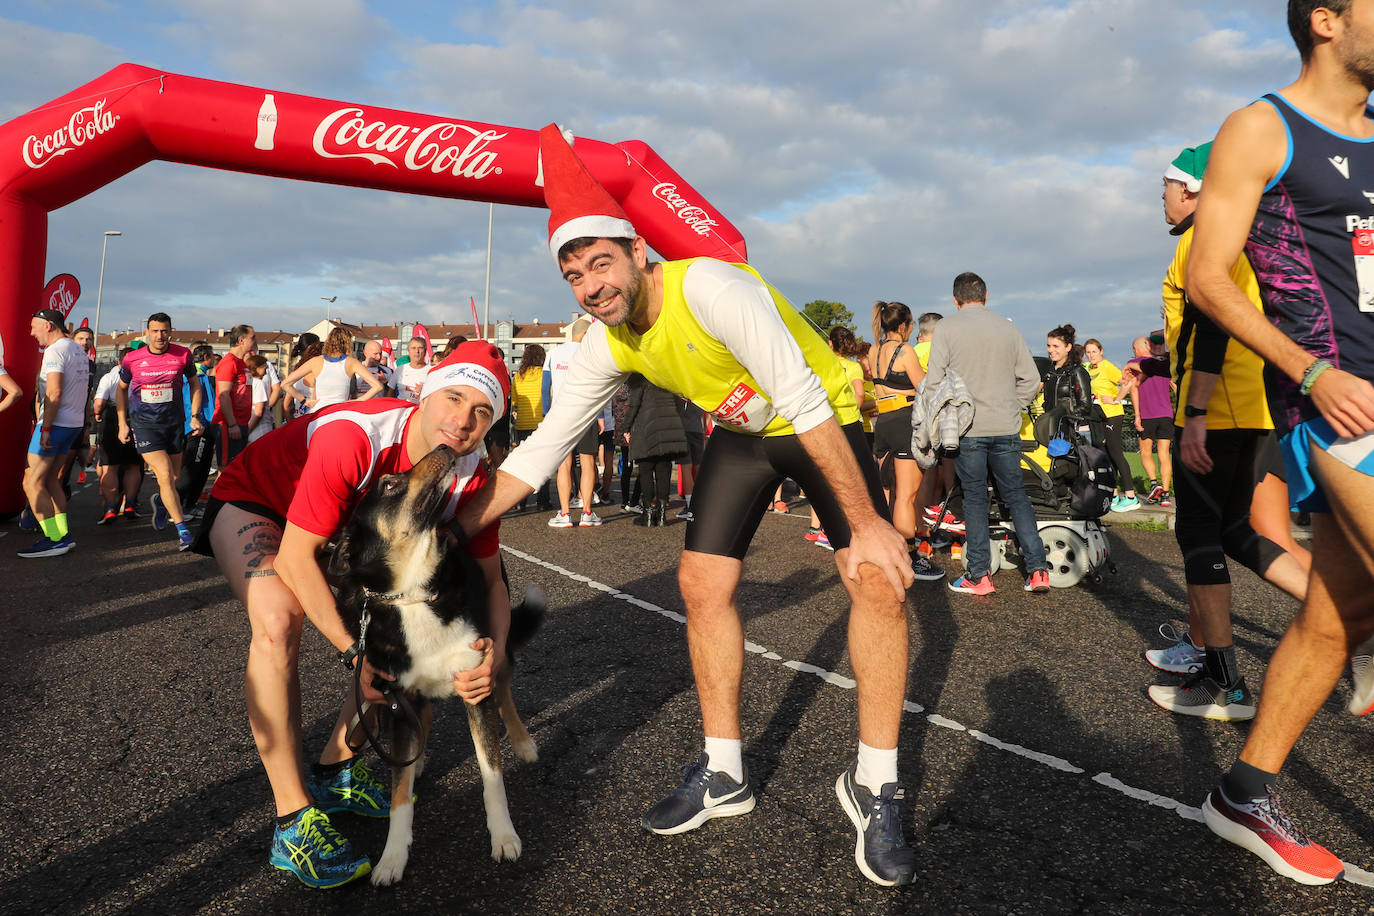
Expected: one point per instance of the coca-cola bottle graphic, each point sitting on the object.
(267, 122)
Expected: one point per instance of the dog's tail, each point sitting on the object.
(527, 616)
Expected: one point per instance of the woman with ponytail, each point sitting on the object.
(1067, 384)
(896, 373)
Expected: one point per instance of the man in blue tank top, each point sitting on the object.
(1290, 184)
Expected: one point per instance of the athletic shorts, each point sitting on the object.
(60, 439)
(740, 473)
(1158, 428)
(159, 437)
(202, 546)
(590, 440)
(606, 438)
(1304, 491)
(892, 434)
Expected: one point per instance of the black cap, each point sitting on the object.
(53, 315)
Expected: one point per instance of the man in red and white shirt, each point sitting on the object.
(270, 514)
(234, 393)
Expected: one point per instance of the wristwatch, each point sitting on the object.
(348, 655)
(1190, 411)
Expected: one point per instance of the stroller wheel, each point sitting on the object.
(1067, 553)
(996, 558)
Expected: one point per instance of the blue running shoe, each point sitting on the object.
(312, 850)
(352, 790)
(881, 851)
(702, 795)
(26, 520)
(185, 539)
(46, 548)
(160, 515)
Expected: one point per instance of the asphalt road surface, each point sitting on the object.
(1042, 778)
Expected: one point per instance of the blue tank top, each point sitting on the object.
(1312, 247)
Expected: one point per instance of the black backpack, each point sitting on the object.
(1090, 494)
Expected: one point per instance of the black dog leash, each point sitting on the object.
(394, 696)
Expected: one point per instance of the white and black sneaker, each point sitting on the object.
(703, 794)
(881, 851)
(1201, 696)
(926, 571)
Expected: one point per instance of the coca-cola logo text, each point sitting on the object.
(419, 148)
(695, 217)
(84, 125)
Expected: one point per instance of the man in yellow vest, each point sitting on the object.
(718, 335)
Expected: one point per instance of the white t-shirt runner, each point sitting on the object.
(66, 356)
(410, 381)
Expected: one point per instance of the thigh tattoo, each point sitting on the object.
(264, 542)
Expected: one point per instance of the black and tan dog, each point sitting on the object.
(425, 600)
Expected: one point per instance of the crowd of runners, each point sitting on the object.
(1254, 399)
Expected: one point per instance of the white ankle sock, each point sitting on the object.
(876, 768)
(723, 754)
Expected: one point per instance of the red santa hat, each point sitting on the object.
(578, 206)
(85, 323)
(477, 364)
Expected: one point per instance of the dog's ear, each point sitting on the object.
(341, 560)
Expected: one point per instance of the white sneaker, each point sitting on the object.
(1181, 658)
(560, 520)
(589, 520)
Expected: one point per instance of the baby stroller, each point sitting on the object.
(1070, 484)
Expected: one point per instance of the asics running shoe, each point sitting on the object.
(110, 515)
(702, 795)
(1261, 826)
(560, 520)
(1181, 658)
(880, 850)
(589, 520)
(352, 790)
(46, 548)
(185, 539)
(1201, 696)
(311, 849)
(1038, 581)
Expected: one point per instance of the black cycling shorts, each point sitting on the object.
(739, 475)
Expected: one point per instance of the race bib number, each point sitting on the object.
(1364, 267)
(156, 394)
(745, 409)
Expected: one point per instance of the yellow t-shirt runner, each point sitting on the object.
(1239, 401)
(526, 395)
(1106, 379)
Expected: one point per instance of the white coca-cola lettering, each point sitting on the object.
(424, 147)
(695, 217)
(62, 299)
(84, 125)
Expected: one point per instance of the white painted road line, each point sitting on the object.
(1353, 874)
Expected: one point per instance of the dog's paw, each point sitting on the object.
(388, 870)
(527, 750)
(505, 846)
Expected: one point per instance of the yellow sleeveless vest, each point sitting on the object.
(678, 354)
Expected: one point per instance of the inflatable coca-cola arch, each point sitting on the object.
(132, 115)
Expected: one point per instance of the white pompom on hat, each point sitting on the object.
(578, 206)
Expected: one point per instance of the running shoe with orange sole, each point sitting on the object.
(1261, 826)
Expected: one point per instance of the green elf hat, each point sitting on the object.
(1189, 166)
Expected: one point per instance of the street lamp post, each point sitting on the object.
(486, 296)
(100, 287)
(329, 299)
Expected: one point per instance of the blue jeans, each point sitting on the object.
(1001, 454)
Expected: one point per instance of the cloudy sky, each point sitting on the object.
(868, 150)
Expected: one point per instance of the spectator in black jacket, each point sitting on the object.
(656, 439)
(1067, 384)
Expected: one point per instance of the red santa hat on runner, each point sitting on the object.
(578, 206)
(477, 364)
